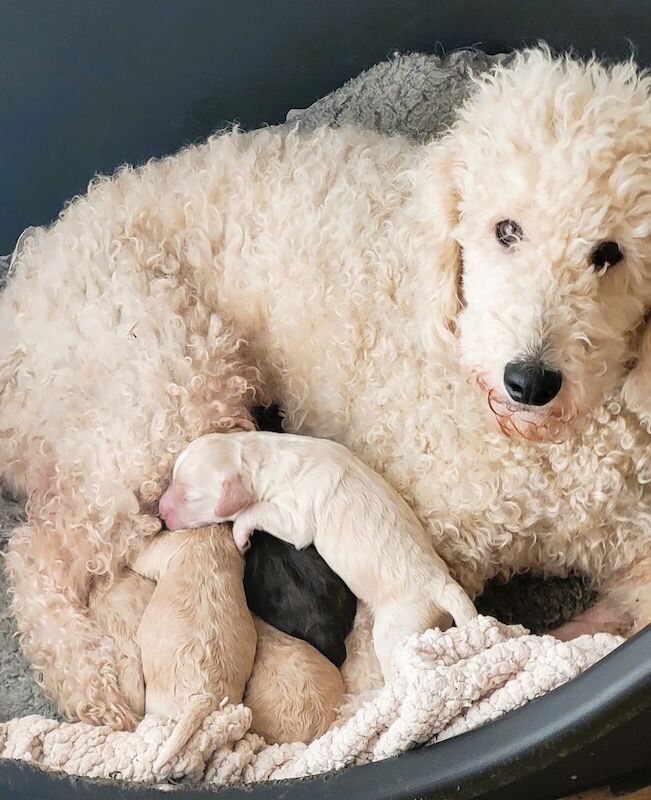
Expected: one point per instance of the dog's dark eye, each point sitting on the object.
(605, 255)
(508, 232)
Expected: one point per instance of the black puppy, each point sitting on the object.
(295, 590)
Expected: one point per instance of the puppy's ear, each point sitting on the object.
(432, 218)
(636, 391)
(234, 497)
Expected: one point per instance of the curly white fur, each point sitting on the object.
(93, 413)
(365, 275)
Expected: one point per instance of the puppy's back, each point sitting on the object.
(297, 592)
(294, 590)
(293, 692)
(197, 634)
(117, 607)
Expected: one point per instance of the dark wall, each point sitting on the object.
(86, 85)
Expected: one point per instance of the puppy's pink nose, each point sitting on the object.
(166, 506)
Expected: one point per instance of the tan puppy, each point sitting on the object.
(117, 607)
(293, 692)
(312, 491)
(196, 636)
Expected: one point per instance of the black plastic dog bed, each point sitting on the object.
(590, 732)
(87, 86)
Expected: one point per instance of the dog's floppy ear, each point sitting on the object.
(636, 391)
(234, 497)
(433, 217)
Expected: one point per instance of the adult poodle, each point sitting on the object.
(467, 316)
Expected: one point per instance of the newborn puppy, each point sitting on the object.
(295, 590)
(197, 638)
(311, 491)
(117, 606)
(293, 691)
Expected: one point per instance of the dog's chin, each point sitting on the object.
(527, 426)
(548, 424)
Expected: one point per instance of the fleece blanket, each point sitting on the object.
(445, 683)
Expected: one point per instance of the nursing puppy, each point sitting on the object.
(312, 491)
(295, 590)
(196, 636)
(294, 693)
(117, 606)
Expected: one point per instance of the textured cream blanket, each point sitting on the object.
(446, 683)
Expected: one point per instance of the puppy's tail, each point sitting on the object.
(456, 602)
(197, 709)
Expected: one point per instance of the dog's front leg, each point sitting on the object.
(266, 517)
(630, 596)
(623, 607)
(74, 661)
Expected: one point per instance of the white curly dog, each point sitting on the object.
(464, 315)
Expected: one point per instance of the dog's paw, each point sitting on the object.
(119, 717)
(105, 704)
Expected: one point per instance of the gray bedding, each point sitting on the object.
(415, 95)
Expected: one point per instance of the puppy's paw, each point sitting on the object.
(242, 536)
(243, 546)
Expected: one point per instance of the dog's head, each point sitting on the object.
(538, 207)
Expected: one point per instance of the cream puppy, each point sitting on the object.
(117, 606)
(312, 491)
(294, 692)
(196, 636)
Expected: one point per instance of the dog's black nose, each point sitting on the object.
(531, 384)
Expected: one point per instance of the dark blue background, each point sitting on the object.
(86, 85)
